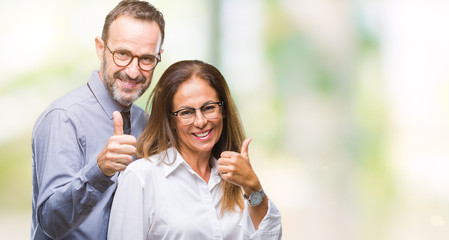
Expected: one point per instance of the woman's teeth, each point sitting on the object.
(202, 134)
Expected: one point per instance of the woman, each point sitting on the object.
(188, 183)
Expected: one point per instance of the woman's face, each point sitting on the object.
(200, 136)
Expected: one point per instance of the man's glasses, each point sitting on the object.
(209, 110)
(123, 58)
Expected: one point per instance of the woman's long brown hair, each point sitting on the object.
(159, 135)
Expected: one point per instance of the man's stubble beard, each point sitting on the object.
(114, 90)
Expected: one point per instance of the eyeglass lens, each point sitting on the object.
(123, 58)
(209, 111)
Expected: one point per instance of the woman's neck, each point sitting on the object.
(199, 162)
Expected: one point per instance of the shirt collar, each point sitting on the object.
(169, 168)
(102, 95)
(172, 160)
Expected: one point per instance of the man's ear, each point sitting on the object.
(99, 46)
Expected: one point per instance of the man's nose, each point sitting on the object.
(133, 69)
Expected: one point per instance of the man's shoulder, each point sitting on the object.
(70, 104)
(79, 95)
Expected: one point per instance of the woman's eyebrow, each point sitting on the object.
(188, 107)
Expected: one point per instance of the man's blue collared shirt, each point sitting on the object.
(71, 196)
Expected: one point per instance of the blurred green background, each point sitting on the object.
(347, 102)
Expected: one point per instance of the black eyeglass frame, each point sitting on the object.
(157, 57)
(220, 104)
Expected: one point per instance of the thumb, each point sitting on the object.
(245, 145)
(118, 123)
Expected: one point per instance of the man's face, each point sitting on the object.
(126, 84)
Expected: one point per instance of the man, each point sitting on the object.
(78, 142)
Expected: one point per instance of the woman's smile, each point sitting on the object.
(203, 135)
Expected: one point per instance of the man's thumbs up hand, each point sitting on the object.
(118, 123)
(119, 149)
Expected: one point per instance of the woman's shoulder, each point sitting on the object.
(153, 163)
(141, 170)
(143, 165)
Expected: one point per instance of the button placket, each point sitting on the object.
(210, 206)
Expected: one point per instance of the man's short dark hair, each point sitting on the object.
(141, 10)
